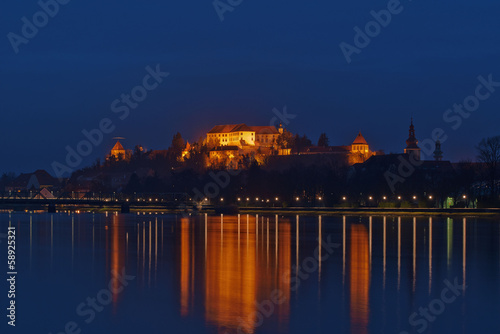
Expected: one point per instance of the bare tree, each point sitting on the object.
(489, 155)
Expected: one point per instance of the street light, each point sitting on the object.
(464, 196)
(430, 197)
(370, 198)
(414, 197)
(384, 198)
(344, 198)
(399, 197)
(320, 198)
(297, 199)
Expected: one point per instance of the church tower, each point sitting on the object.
(412, 143)
(438, 154)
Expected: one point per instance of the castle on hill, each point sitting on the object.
(233, 146)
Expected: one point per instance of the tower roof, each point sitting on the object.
(118, 146)
(360, 139)
(412, 141)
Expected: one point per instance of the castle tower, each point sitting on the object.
(360, 145)
(412, 143)
(118, 151)
(280, 129)
(438, 154)
(360, 151)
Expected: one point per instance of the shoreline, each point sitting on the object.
(281, 211)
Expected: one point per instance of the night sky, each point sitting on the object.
(263, 55)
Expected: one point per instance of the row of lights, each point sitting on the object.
(344, 198)
(267, 200)
(399, 197)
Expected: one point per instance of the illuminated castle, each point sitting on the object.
(232, 143)
(241, 135)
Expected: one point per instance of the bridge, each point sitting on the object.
(38, 200)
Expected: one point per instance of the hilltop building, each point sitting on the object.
(358, 152)
(236, 144)
(242, 135)
(119, 152)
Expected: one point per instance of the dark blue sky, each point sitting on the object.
(264, 55)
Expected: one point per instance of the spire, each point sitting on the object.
(438, 154)
(412, 142)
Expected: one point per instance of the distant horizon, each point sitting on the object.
(110, 142)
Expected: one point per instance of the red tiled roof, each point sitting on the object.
(264, 130)
(360, 139)
(227, 128)
(118, 146)
(241, 127)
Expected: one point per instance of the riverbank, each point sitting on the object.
(270, 210)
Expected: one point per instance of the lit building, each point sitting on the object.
(235, 144)
(359, 145)
(243, 135)
(119, 152)
(359, 150)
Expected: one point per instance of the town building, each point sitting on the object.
(40, 182)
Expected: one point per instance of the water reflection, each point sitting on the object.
(359, 279)
(117, 259)
(215, 270)
(239, 271)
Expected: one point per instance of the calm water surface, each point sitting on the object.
(147, 273)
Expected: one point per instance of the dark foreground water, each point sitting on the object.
(147, 273)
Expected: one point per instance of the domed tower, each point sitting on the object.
(360, 145)
(360, 151)
(438, 154)
(412, 143)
